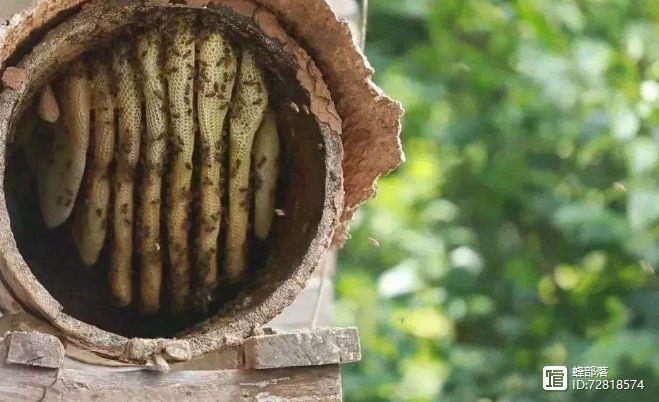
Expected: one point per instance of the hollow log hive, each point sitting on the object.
(187, 162)
(170, 93)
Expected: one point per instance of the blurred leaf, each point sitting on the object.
(523, 230)
(426, 323)
(643, 208)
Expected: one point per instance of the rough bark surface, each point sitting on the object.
(13, 77)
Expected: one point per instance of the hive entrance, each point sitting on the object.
(61, 239)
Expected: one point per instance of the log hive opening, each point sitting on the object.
(168, 171)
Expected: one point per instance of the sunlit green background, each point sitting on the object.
(523, 230)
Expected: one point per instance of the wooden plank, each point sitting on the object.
(303, 348)
(21, 383)
(34, 349)
(18, 383)
(7, 303)
(224, 359)
(333, 346)
(11, 7)
(347, 9)
(318, 293)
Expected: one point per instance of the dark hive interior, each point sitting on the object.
(83, 291)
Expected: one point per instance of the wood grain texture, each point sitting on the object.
(310, 347)
(303, 348)
(294, 384)
(34, 349)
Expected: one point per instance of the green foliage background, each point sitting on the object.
(523, 230)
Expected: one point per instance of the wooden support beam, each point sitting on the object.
(278, 357)
(20, 383)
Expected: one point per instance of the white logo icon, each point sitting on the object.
(554, 378)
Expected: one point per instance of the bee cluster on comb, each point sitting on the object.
(139, 144)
